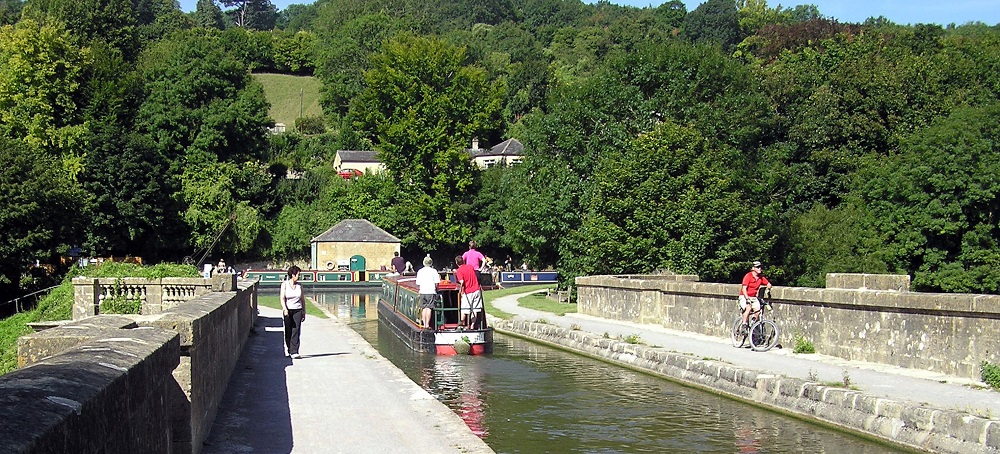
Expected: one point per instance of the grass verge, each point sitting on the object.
(539, 302)
(273, 302)
(490, 295)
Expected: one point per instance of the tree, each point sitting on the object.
(671, 201)
(219, 200)
(252, 14)
(208, 15)
(41, 75)
(934, 204)
(42, 211)
(715, 22)
(420, 106)
(342, 57)
(10, 11)
(671, 14)
(112, 21)
(204, 115)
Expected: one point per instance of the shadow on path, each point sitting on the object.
(258, 387)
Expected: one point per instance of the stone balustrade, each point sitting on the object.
(155, 295)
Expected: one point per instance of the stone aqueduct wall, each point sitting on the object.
(858, 317)
(128, 384)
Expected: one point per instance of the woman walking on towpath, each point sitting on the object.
(292, 310)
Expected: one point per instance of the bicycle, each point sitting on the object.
(763, 332)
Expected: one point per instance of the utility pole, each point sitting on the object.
(300, 103)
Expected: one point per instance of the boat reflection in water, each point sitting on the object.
(528, 398)
(459, 386)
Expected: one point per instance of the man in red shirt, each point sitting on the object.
(472, 294)
(748, 291)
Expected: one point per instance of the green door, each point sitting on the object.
(358, 263)
(358, 268)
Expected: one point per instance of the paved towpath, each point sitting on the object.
(930, 388)
(342, 396)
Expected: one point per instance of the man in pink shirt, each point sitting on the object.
(473, 257)
(472, 294)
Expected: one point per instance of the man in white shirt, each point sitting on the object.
(427, 286)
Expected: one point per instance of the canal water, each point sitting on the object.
(529, 398)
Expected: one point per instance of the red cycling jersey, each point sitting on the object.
(752, 284)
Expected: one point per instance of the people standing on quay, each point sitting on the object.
(427, 285)
(292, 310)
(471, 293)
(398, 263)
(473, 257)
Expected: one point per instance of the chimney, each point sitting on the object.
(475, 144)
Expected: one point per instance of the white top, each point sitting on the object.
(427, 280)
(291, 294)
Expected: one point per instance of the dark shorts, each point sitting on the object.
(427, 300)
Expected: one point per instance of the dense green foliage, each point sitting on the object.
(655, 138)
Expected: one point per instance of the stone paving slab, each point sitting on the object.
(342, 396)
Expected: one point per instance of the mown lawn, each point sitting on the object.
(490, 295)
(288, 94)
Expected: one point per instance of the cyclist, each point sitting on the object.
(748, 291)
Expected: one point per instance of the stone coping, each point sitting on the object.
(904, 423)
(965, 303)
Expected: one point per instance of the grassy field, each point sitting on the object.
(283, 92)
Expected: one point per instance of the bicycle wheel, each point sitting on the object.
(763, 336)
(738, 334)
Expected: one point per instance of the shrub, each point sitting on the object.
(991, 374)
(632, 339)
(310, 125)
(803, 345)
(120, 303)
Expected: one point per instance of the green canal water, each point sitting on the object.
(530, 398)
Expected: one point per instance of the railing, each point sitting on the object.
(19, 302)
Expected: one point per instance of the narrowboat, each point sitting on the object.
(399, 310)
(522, 277)
(320, 278)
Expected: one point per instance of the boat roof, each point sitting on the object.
(411, 282)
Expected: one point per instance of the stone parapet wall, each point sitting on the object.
(907, 424)
(107, 393)
(207, 335)
(213, 330)
(946, 333)
(897, 282)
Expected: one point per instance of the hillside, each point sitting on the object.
(283, 92)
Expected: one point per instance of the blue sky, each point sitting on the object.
(899, 11)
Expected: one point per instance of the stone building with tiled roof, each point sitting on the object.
(355, 245)
(508, 152)
(363, 160)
